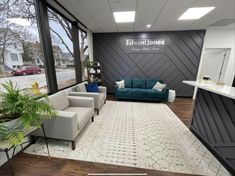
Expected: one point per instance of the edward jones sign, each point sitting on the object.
(144, 42)
(144, 45)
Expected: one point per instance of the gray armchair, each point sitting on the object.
(99, 97)
(73, 114)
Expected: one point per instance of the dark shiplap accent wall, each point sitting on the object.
(214, 122)
(177, 61)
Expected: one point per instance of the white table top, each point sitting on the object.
(225, 90)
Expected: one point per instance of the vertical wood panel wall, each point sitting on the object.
(179, 60)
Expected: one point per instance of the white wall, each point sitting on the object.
(90, 45)
(220, 39)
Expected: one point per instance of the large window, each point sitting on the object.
(20, 45)
(14, 57)
(61, 33)
(83, 52)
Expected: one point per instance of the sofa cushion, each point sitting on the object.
(59, 100)
(81, 87)
(132, 92)
(138, 83)
(128, 82)
(138, 92)
(153, 93)
(84, 114)
(151, 82)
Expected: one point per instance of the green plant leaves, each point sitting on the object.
(14, 135)
(26, 108)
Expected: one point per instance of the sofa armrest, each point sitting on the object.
(64, 126)
(102, 89)
(76, 101)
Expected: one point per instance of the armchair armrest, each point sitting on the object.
(102, 89)
(94, 95)
(85, 94)
(81, 101)
(64, 126)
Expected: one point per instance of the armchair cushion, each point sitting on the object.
(83, 115)
(59, 100)
(62, 127)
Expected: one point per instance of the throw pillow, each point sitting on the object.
(158, 86)
(92, 87)
(80, 87)
(121, 84)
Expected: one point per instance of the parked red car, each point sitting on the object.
(26, 70)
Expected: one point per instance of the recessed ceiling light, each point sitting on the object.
(19, 21)
(124, 17)
(195, 13)
(149, 25)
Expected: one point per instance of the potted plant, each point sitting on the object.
(19, 112)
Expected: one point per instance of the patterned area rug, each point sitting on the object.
(144, 135)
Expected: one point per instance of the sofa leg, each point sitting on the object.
(97, 111)
(73, 145)
(105, 101)
(92, 119)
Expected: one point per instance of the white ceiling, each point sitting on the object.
(97, 15)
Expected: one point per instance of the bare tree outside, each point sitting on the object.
(10, 33)
(20, 44)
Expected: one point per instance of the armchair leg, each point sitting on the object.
(73, 145)
(92, 119)
(97, 111)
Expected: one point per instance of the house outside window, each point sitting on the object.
(22, 45)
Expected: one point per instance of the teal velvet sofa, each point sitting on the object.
(141, 89)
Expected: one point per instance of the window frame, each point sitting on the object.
(41, 8)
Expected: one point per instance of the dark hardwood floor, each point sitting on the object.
(31, 165)
(183, 108)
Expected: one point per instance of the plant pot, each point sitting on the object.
(10, 123)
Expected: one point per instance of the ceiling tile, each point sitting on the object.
(180, 25)
(161, 26)
(106, 21)
(148, 10)
(123, 5)
(170, 15)
(96, 6)
(207, 3)
(74, 6)
(179, 4)
(125, 27)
